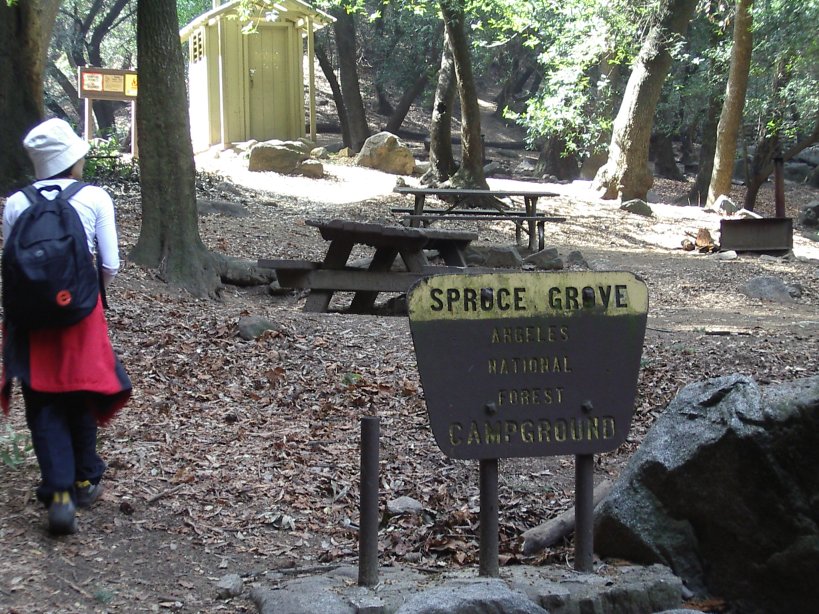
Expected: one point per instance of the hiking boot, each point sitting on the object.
(87, 493)
(61, 520)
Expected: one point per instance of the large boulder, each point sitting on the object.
(386, 152)
(725, 491)
(278, 156)
(809, 215)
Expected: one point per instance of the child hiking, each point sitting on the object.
(70, 377)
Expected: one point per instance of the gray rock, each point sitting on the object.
(404, 505)
(253, 327)
(797, 172)
(724, 206)
(311, 168)
(229, 586)
(493, 168)
(813, 179)
(615, 589)
(385, 152)
(494, 256)
(744, 214)
(723, 491)
(724, 256)
(809, 215)
(320, 153)
(477, 597)
(638, 207)
(768, 288)
(277, 156)
(809, 155)
(311, 600)
(547, 259)
(575, 260)
(207, 206)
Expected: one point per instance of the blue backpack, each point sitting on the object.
(49, 277)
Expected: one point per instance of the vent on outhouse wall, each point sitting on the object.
(198, 46)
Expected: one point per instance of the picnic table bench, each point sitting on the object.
(535, 220)
(333, 274)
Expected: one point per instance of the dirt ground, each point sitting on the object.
(241, 457)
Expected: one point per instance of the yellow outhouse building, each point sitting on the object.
(246, 77)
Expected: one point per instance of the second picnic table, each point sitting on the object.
(535, 220)
(333, 274)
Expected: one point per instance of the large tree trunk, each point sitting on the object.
(734, 103)
(25, 31)
(344, 28)
(341, 110)
(169, 238)
(471, 172)
(626, 174)
(441, 161)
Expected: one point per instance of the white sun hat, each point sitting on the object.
(53, 147)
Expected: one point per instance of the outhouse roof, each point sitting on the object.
(294, 10)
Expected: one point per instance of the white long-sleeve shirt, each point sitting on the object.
(96, 211)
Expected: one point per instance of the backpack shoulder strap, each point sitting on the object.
(72, 189)
(33, 193)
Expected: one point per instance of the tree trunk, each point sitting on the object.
(521, 69)
(471, 172)
(734, 103)
(441, 161)
(601, 104)
(699, 191)
(625, 174)
(169, 238)
(68, 86)
(344, 28)
(25, 31)
(553, 160)
(341, 110)
(665, 164)
(762, 162)
(399, 113)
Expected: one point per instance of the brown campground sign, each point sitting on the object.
(529, 364)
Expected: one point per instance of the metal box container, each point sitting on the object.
(769, 234)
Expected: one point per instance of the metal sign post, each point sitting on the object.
(550, 364)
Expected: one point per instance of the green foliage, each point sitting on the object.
(14, 447)
(104, 162)
(783, 91)
(187, 10)
(351, 379)
(583, 44)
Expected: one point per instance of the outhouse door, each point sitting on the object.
(268, 82)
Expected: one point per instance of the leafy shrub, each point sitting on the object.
(106, 162)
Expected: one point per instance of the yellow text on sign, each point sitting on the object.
(520, 295)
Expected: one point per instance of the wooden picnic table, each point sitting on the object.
(333, 274)
(458, 196)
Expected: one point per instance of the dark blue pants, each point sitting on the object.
(64, 436)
